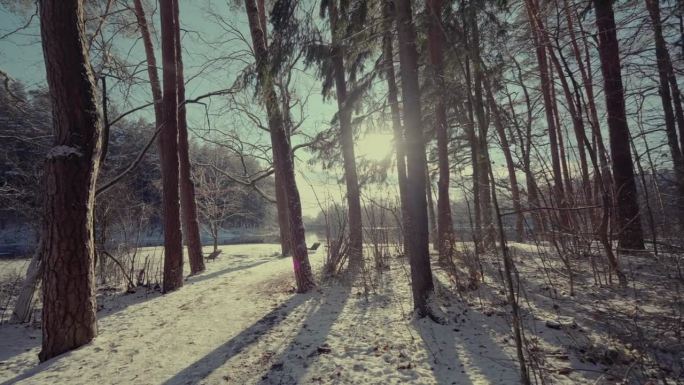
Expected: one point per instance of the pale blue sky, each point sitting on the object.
(21, 57)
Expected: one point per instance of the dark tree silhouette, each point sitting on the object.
(417, 223)
(630, 233)
(168, 144)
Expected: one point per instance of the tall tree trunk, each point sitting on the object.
(281, 208)
(567, 180)
(418, 252)
(281, 193)
(168, 144)
(588, 87)
(510, 164)
(392, 98)
(604, 183)
(488, 231)
(666, 74)
(191, 229)
(525, 139)
(162, 111)
(545, 83)
(281, 152)
(628, 219)
(573, 109)
(445, 225)
(347, 142)
(69, 311)
(432, 216)
(155, 86)
(24, 302)
(474, 151)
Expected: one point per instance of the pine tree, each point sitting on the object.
(69, 310)
(168, 144)
(417, 226)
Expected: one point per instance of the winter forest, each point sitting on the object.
(341, 192)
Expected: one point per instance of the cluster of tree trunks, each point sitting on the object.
(445, 238)
(282, 157)
(170, 116)
(66, 256)
(347, 142)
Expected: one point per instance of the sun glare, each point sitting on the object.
(374, 146)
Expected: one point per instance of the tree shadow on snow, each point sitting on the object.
(201, 368)
(244, 266)
(478, 357)
(17, 339)
(113, 303)
(290, 365)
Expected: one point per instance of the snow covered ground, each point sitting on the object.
(241, 323)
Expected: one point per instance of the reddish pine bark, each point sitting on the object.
(168, 144)
(191, 229)
(281, 152)
(146, 37)
(69, 311)
(281, 208)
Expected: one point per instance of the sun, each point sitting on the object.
(374, 146)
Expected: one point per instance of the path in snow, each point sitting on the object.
(240, 323)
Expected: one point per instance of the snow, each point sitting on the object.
(240, 322)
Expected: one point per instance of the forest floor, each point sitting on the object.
(240, 322)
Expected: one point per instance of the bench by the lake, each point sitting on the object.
(213, 255)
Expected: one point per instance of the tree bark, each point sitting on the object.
(281, 152)
(445, 225)
(567, 179)
(474, 151)
(23, 305)
(598, 149)
(628, 219)
(392, 98)
(69, 311)
(347, 143)
(418, 252)
(488, 230)
(281, 208)
(540, 50)
(573, 109)
(146, 37)
(281, 193)
(168, 144)
(510, 164)
(525, 139)
(191, 229)
(432, 217)
(666, 75)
